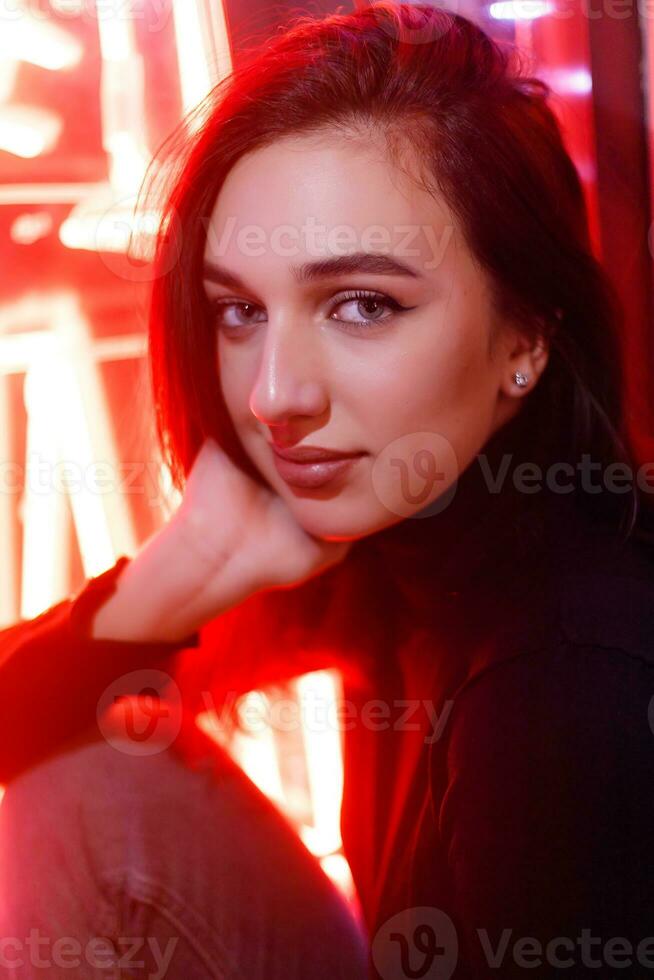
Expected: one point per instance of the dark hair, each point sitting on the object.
(488, 140)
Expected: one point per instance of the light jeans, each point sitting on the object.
(114, 865)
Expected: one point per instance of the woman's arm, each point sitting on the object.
(548, 815)
(53, 672)
(230, 538)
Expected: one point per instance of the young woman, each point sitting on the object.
(375, 244)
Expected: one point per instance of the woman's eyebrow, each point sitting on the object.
(338, 265)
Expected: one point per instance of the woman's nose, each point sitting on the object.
(289, 380)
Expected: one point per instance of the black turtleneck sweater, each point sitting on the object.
(498, 806)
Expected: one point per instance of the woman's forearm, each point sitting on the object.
(55, 668)
(53, 675)
(160, 594)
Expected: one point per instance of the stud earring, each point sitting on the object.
(520, 379)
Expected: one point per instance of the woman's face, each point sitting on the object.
(401, 374)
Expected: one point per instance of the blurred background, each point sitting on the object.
(89, 89)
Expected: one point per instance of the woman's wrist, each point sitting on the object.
(150, 592)
(167, 591)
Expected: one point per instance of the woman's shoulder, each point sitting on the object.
(603, 590)
(574, 666)
(592, 600)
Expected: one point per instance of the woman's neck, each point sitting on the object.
(494, 529)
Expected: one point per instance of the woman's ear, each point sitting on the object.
(525, 362)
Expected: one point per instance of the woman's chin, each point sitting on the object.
(338, 520)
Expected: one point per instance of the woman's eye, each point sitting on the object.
(358, 309)
(364, 309)
(231, 314)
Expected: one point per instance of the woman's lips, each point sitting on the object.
(312, 475)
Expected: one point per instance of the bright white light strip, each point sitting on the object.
(8, 74)
(122, 97)
(19, 351)
(109, 231)
(27, 132)
(103, 520)
(256, 753)
(324, 760)
(191, 54)
(38, 43)
(575, 81)
(21, 141)
(44, 513)
(74, 400)
(221, 50)
(29, 228)
(11, 194)
(88, 505)
(519, 9)
(9, 609)
(115, 31)
(128, 163)
(337, 868)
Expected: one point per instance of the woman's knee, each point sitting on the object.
(100, 841)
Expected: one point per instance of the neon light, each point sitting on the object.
(49, 193)
(68, 424)
(337, 868)
(193, 68)
(110, 229)
(255, 750)
(322, 743)
(19, 351)
(39, 43)
(574, 81)
(9, 602)
(45, 517)
(30, 228)
(27, 131)
(520, 9)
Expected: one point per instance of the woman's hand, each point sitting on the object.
(229, 538)
(225, 517)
